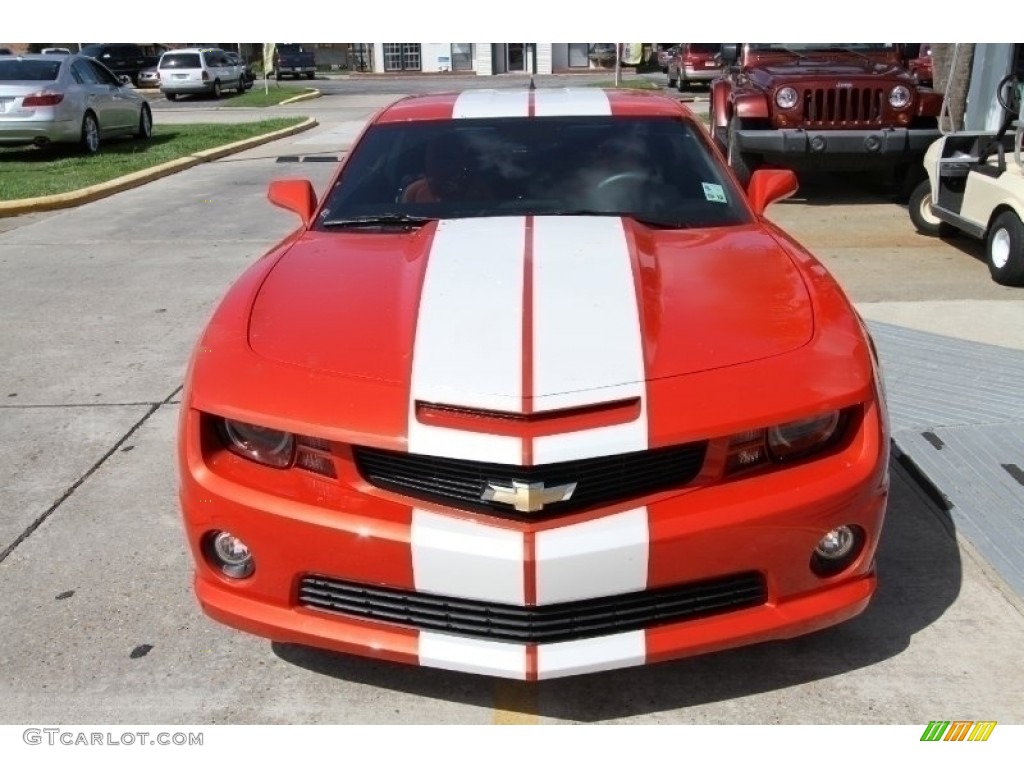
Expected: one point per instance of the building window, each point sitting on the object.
(462, 56)
(402, 56)
(578, 55)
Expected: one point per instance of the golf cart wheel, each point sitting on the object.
(921, 215)
(1004, 249)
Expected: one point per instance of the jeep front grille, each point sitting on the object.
(843, 107)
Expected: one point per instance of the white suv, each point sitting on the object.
(199, 70)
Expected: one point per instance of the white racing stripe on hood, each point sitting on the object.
(571, 101)
(586, 332)
(469, 335)
(491, 103)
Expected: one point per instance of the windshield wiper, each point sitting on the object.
(378, 220)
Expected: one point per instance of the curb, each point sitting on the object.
(137, 179)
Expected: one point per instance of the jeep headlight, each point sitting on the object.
(786, 97)
(899, 97)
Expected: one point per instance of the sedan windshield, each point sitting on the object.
(658, 170)
(29, 69)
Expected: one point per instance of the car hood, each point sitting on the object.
(514, 307)
(813, 70)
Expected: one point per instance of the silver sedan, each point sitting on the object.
(63, 99)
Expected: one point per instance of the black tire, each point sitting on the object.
(683, 85)
(145, 130)
(216, 92)
(311, 76)
(920, 208)
(1004, 249)
(743, 164)
(172, 97)
(671, 80)
(90, 137)
(277, 76)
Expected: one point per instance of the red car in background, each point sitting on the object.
(694, 63)
(919, 63)
(574, 405)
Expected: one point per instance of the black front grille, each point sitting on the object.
(843, 106)
(540, 624)
(600, 481)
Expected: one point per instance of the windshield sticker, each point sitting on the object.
(714, 193)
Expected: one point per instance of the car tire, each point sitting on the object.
(172, 97)
(682, 85)
(311, 76)
(920, 208)
(145, 123)
(741, 163)
(216, 92)
(671, 81)
(1004, 249)
(90, 138)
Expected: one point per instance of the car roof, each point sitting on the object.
(529, 102)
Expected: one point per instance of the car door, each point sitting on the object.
(119, 107)
(95, 94)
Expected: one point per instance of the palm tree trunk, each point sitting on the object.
(952, 83)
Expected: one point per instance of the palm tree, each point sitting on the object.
(952, 78)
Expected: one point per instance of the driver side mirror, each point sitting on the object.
(767, 186)
(295, 195)
(124, 80)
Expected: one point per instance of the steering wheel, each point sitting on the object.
(1008, 96)
(617, 178)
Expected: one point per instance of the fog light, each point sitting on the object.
(818, 144)
(837, 549)
(231, 555)
(872, 143)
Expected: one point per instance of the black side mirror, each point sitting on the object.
(730, 54)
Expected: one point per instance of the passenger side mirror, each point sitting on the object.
(730, 54)
(767, 186)
(124, 80)
(294, 195)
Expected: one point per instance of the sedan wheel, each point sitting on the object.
(90, 141)
(145, 123)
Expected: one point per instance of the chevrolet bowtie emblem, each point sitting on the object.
(527, 497)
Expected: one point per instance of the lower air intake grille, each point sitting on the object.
(539, 624)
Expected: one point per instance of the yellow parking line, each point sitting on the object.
(515, 703)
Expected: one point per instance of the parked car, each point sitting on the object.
(665, 56)
(148, 78)
(831, 106)
(599, 411)
(120, 58)
(293, 60)
(694, 63)
(248, 75)
(185, 71)
(920, 64)
(6, 52)
(67, 99)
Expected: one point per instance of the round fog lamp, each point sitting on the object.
(232, 555)
(836, 544)
(818, 144)
(837, 550)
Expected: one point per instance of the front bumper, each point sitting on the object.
(888, 142)
(767, 524)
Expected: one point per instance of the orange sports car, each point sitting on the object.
(534, 390)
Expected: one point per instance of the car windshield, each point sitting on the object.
(180, 61)
(860, 47)
(29, 69)
(658, 170)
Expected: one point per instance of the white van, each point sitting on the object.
(199, 70)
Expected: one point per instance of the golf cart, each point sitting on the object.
(975, 178)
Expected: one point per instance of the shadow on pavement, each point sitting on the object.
(919, 578)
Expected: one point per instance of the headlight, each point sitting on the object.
(786, 97)
(260, 444)
(899, 97)
(798, 438)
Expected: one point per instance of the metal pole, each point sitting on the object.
(618, 64)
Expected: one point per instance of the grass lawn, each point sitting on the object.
(255, 97)
(637, 84)
(33, 172)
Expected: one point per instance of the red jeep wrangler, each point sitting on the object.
(835, 106)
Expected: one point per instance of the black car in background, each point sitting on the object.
(124, 58)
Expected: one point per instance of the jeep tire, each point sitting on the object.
(742, 164)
